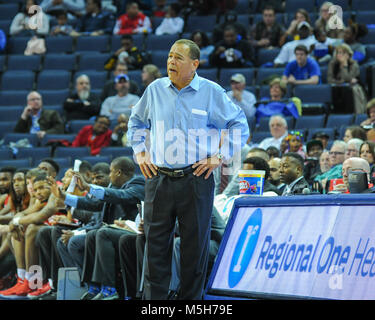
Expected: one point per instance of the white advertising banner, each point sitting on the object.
(312, 251)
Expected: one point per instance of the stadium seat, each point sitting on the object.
(58, 61)
(97, 78)
(366, 17)
(159, 58)
(60, 44)
(92, 61)
(5, 25)
(17, 80)
(65, 162)
(35, 153)
(242, 6)
(210, 74)
(48, 138)
(115, 40)
(344, 4)
(6, 127)
(155, 22)
(95, 159)
(162, 42)
(267, 55)
(53, 80)
(89, 43)
(293, 5)
(6, 154)
(206, 23)
(116, 152)
(8, 10)
(369, 40)
(329, 131)
(76, 125)
(54, 97)
(258, 136)
(338, 120)
(244, 19)
(310, 121)
(20, 163)
(363, 5)
(12, 113)
(136, 75)
(226, 74)
(359, 118)
(75, 153)
(17, 45)
(264, 73)
(15, 137)
(22, 62)
(313, 93)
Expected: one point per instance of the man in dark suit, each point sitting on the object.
(34, 119)
(291, 173)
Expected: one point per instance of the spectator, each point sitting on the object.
(354, 132)
(300, 16)
(133, 21)
(274, 178)
(160, 8)
(370, 110)
(353, 164)
(95, 22)
(353, 148)
(367, 152)
(22, 23)
(113, 106)
(323, 137)
(324, 162)
(279, 130)
(314, 150)
(119, 138)
(6, 178)
(267, 33)
(278, 5)
(241, 97)
(322, 23)
(203, 42)
(172, 23)
(34, 119)
(342, 69)
(303, 70)
(6, 175)
(62, 28)
(83, 104)
(94, 136)
(322, 49)
(291, 173)
(273, 152)
(230, 19)
(128, 53)
(54, 7)
(352, 34)
(294, 142)
(150, 72)
(231, 52)
(287, 53)
(49, 166)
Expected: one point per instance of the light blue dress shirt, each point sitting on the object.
(181, 127)
(95, 191)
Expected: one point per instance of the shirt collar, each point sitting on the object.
(194, 84)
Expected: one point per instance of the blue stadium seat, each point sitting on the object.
(58, 61)
(65, 162)
(344, 4)
(267, 55)
(11, 114)
(53, 80)
(14, 137)
(17, 45)
(293, 5)
(75, 153)
(159, 58)
(20, 163)
(35, 153)
(258, 136)
(359, 118)
(89, 43)
(6, 154)
(53, 137)
(95, 159)
(314, 93)
(76, 125)
(243, 6)
(115, 152)
(310, 121)
(13, 98)
(244, 19)
(60, 44)
(8, 10)
(94, 61)
(163, 42)
(264, 73)
(22, 62)
(324, 72)
(329, 131)
(363, 5)
(369, 38)
(206, 23)
(17, 80)
(54, 97)
(2, 62)
(6, 127)
(155, 22)
(136, 75)
(366, 17)
(226, 74)
(116, 42)
(97, 78)
(5, 25)
(210, 74)
(338, 120)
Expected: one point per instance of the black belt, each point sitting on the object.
(176, 173)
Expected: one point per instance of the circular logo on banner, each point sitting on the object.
(245, 248)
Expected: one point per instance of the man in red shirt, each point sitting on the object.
(133, 21)
(94, 136)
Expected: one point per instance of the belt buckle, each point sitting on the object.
(178, 173)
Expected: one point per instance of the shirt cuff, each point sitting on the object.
(97, 191)
(139, 148)
(71, 200)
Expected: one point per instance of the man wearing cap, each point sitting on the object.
(287, 50)
(121, 103)
(303, 70)
(241, 97)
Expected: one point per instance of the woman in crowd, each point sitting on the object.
(150, 72)
(203, 42)
(300, 15)
(370, 110)
(354, 132)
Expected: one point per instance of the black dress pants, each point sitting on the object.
(190, 200)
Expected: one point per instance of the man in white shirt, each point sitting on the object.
(279, 130)
(172, 23)
(287, 50)
(241, 97)
(113, 106)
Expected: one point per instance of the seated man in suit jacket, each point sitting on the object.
(291, 173)
(35, 119)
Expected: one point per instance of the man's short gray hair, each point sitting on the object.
(356, 142)
(278, 117)
(340, 143)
